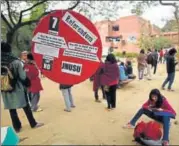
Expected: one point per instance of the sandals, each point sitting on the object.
(128, 126)
(171, 90)
(165, 143)
(97, 101)
(67, 110)
(73, 106)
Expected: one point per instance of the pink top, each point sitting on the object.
(113, 83)
(165, 106)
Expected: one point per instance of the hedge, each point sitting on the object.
(127, 55)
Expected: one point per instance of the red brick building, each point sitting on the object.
(129, 29)
(173, 36)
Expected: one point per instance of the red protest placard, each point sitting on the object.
(67, 47)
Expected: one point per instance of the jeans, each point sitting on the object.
(170, 78)
(68, 98)
(34, 100)
(165, 120)
(141, 74)
(160, 59)
(103, 92)
(15, 119)
(111, 96)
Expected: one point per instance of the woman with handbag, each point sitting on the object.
(109, 79)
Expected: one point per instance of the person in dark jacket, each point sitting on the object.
(149, 61)
(155, 60)
(16, 99)
(66, 91)
(170, 69)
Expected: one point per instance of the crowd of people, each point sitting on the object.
(22, 85)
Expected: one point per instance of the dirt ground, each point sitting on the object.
(89, 123)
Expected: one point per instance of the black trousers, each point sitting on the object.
(96, 93)
(111, 96)
(155, 68)
(15, 119)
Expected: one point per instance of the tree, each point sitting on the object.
(145, 42)
(176, 13)
(171, 25)
(161, 42)
(14, 19)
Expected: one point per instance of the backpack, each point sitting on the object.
(139, 130)
(153, 131)
(150, 59)
(145, 132)
(8, 81)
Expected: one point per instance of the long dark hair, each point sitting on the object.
(111, 58)
(159, 95)
(172, 51)
(142, 51)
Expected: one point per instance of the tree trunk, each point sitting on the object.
(10, 36)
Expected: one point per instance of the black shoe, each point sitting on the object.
(38, 125)
(18, 130)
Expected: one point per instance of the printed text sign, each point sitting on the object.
(66, 47)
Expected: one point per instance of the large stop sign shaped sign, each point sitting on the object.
(67, 47)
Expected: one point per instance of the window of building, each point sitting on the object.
(115, 28)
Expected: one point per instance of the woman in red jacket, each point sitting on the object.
(36, 86)
(157, 108)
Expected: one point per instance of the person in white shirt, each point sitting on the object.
(23, 57)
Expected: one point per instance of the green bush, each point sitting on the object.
(127, 55)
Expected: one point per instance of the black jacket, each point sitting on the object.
(62, 86)
(171, 64)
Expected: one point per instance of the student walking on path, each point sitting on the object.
(171, 64)
(155, 61)
(32, 72)
(68, 98)
(16, 98)
(141, 64)
(110, 79)
(97, 83)
(150, 61)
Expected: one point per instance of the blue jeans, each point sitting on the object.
(163, 118)
(68, 98)
(170, 78)
(34, 100)
(141, 74)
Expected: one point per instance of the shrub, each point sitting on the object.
(127, 55)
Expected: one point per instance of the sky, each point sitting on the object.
(156, 14)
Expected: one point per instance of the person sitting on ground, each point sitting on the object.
(129, 70)
(157, 108)
(123, 76)
(122, 72)
(66, 91)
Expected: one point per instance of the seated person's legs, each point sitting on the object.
(147, 112)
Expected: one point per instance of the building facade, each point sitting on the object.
(128, 29)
